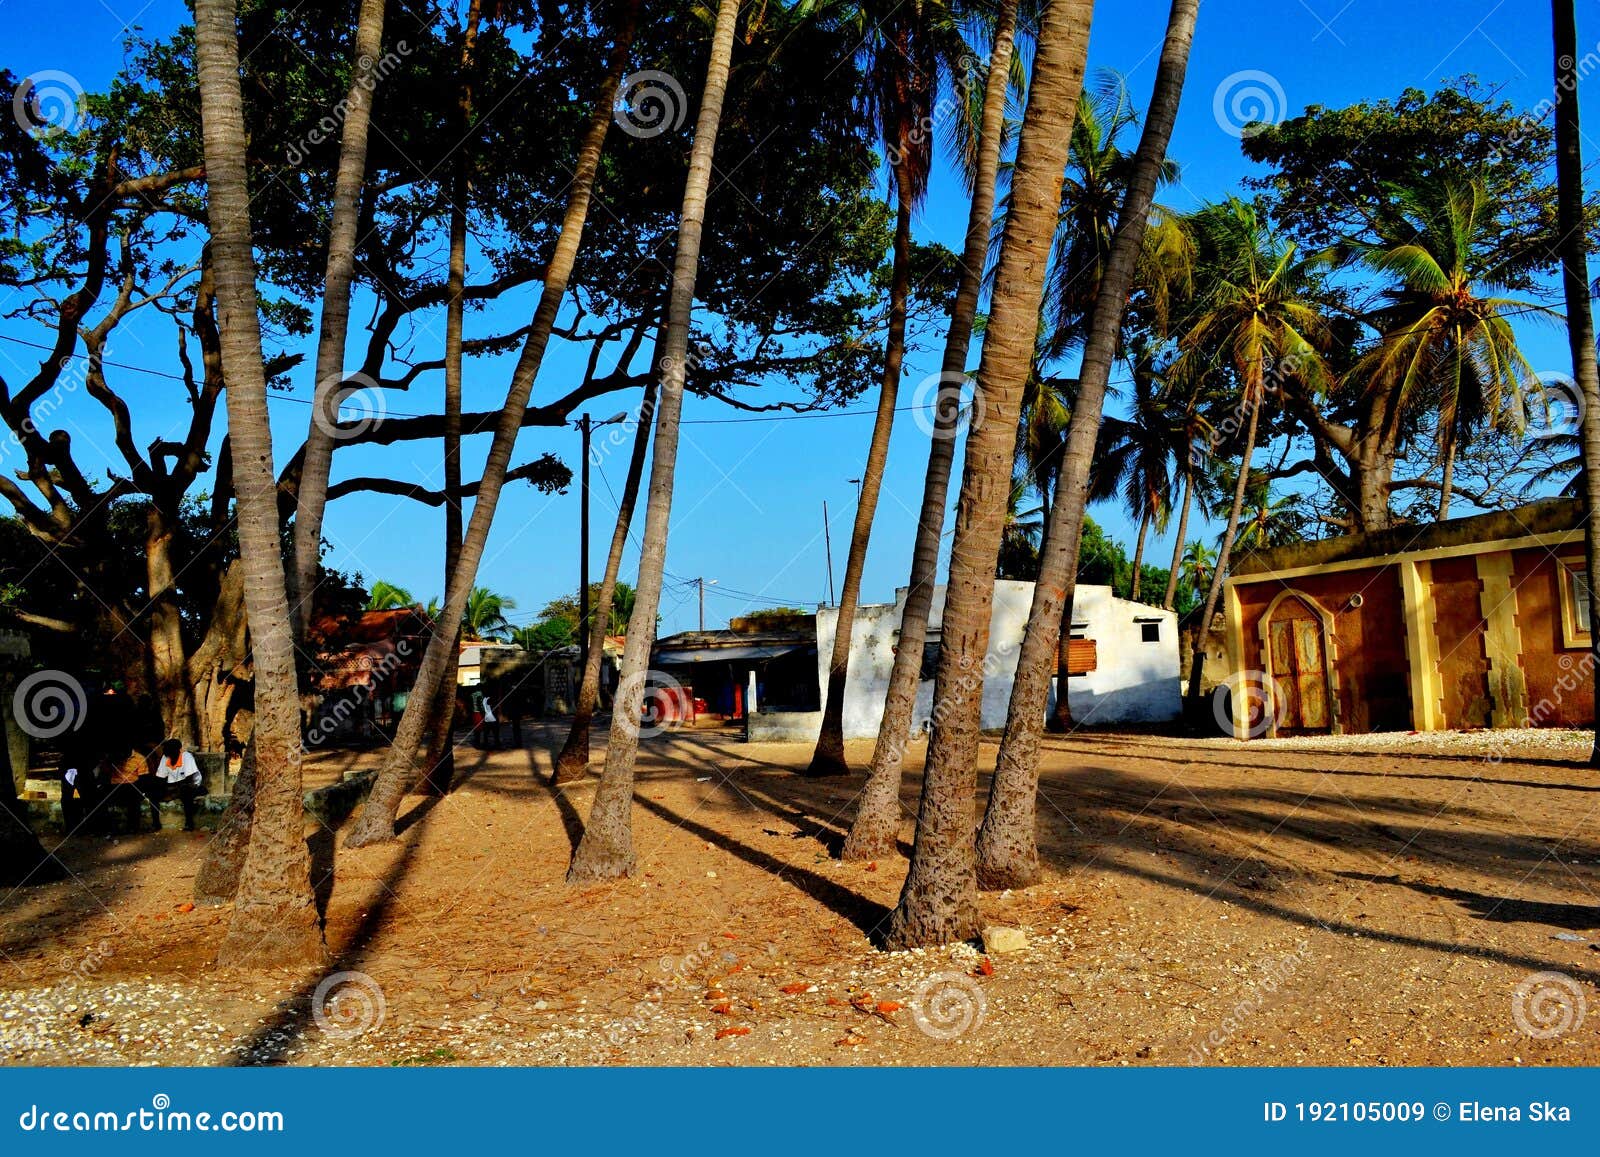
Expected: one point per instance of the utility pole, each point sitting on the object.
(827, 543)
(585, 427)
(702, 584)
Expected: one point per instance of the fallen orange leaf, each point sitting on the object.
(985, 968)
(889, 1006)
(723, 1009)
(872, 867)
(835, 1002)
(186, 907)
(731, 935)
(732, 1032)
(792, 989)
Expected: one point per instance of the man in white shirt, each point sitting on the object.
(180, 774)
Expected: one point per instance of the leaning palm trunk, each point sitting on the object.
(1575, 281)
(828, 758)
(573, 762)
(1171, 596)
(877, 821)
(274, 917)
(312, 497)
(1007, 850)
(606, 850)
(1449, 478)
(1138, 555)
(441, 725)
(376, 821)
(939, 902)
(1219, 573)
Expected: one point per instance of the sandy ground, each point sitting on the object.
(1297, 902)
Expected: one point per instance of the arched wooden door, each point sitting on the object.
(1299, 668)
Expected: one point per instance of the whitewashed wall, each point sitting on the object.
(1136, 682)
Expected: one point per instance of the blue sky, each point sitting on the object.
(748, 511)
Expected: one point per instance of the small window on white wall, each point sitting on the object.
(1150, 632)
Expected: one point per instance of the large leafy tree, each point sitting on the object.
(1446, 344)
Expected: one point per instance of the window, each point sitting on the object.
(1150, 632)
(1575, 599)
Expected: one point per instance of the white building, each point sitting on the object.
(1133, 676)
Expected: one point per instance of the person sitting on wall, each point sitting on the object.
(127, 773)
(178, 774)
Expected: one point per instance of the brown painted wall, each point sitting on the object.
(1560, 685)
(1370, 641)
(1463, 669)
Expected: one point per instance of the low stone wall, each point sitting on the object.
(784, 726)
(330, 806)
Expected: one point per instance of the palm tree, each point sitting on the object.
(1257, 320)
(485, 615)
(614, 606)
(1190, 465)
(606, 850)
(908, 47)
(1006, 850)
(1447, 343)
(440, 760)
(1021, 534)
(317, 459)
(375, 823)
(939, 901)
(1199, 563)
(1575, 283)
(1136, 460)
(385, 596)
(1098, 171)
(877, 821)
(275, 915)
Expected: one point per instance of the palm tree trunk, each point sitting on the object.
(1007, 852)
(1138, 554)
(1060, 720)
(828, 758)
(877, 822)
(1575, 281)
(573, 762)
(441, 760)
(312, 495)
(375, 823)
(939, 902)
(1171, 596)
(274, 917)
(1219, 573)
(606, 850)
(1448, 480)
